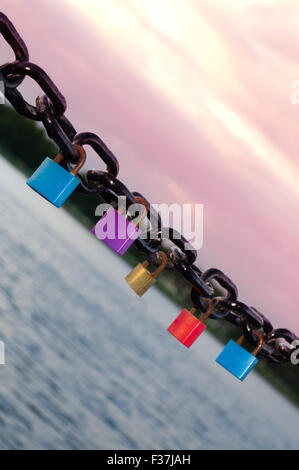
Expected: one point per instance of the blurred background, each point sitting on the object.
(195, 99)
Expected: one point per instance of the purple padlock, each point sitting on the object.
(120, 233)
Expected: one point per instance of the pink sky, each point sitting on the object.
(194, 99)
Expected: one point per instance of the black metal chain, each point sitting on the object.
(50, 110)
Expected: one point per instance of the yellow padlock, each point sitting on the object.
(140, 279)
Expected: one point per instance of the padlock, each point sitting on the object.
(237, 360)
(124, 232)
(140, 279)
(187, 327)
(55, 183)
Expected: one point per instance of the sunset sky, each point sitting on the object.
(194, 98)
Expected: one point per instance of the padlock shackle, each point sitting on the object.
(260, 344)
(82, 159)
(143, 214)
(162, 266)
(164, 260)
(205, 315)
(105, 154)
(225, 282)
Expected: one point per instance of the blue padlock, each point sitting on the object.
(237, 360)
(55, 183)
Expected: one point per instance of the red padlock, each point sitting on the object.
(187, 327)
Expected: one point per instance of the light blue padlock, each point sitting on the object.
(55, 183)
(237, 360)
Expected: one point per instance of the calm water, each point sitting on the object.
(89, 365)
